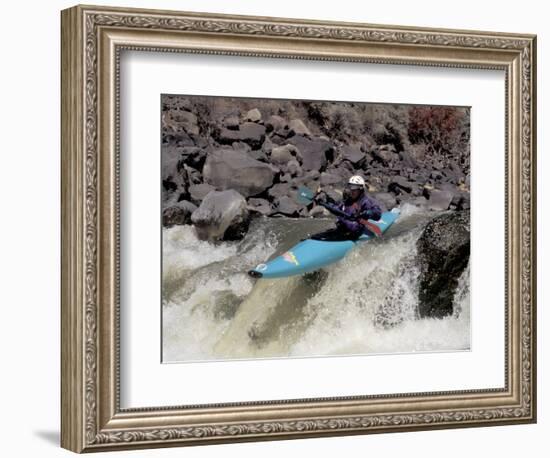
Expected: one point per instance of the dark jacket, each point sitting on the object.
(363, 208)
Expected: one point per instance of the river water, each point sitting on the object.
(364, 304)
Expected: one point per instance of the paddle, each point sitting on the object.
(306, 196)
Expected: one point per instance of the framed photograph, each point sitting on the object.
(278, 228)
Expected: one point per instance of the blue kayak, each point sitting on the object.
(310, 255)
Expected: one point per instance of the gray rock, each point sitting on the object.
(279, 190)
(275, 123)
(221, 216)
(231, 123)
(293, 167)
(353, 154)
(407, 160)
(193, 175)
(443, 254)
(335, 195)
(199, 191)
(260, 206)
(287, 206)
(194, 157)
(439, 200)
(283, 154)
(329, 178)
(384, 154)
(178, 214)
(268, 145)
(399, 184)
(387, 201)
(313, 151)
(177, 120)
(285, 178)
(318, 212)
(253, 115)
(251, 133)
(230, 169)
(419, 201)
(298, 127)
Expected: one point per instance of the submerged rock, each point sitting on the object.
(221, 216)
(443, 252)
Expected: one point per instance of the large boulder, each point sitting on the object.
(313, 151)
(443, 252)
(235, 169)
(249, 132)
(222, 215)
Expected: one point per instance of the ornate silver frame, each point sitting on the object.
(92, 39)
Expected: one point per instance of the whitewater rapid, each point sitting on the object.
(364, 304)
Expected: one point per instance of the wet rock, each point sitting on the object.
(222, 215)
(253, 115)
(443, 253)
(298, 127)
(230, 169)
(178, 213)
(199, 191)
(249, 132)
(313, 151)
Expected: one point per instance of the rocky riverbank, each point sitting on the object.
(226, 160)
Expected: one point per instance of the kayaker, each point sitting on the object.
(353, 212)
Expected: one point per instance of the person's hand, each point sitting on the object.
(320, 198)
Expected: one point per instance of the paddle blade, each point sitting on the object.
(305, 195)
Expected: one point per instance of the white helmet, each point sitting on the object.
(356, 181)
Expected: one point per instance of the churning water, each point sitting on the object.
(364, 304)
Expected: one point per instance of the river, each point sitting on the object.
(364, 304)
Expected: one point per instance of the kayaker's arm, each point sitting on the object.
(335, 210)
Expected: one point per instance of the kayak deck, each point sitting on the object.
(310, 255)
